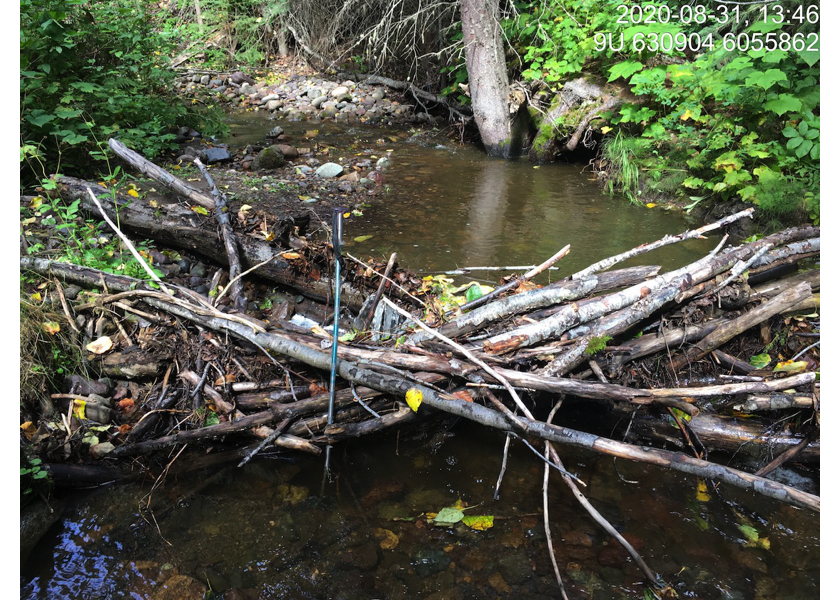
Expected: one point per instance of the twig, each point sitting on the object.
(504, 466)
(278, 431)
(358, 399)
(65, 307)
(546, 523)
(405, 291)
(128, 244)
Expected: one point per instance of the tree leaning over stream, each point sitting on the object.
(501, 130)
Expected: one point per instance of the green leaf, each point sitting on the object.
(794, 143)
(362, 238)
(624, 69)
(759, 361)
(478, 522)
(815, 152)
(785, 103)
(790, 132)
(766, 79)
(473, 292)
(804, 148)
(449, 516)
(39, 118)
(211, 419)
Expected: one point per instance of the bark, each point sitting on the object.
(500, 134)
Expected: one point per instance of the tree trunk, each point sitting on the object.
(501, 132)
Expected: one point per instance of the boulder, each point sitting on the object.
(340, 92)
(216, 155)
(239, 78)
(269, 98)
(329, 169)
(273, 105)
(270, 158)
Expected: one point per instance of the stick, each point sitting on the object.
(517, 281)
(229, 237)
(128, 244)
(667, 240)
(368, 316)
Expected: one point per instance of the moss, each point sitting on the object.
(597, 344)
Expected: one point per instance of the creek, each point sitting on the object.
(266, 531)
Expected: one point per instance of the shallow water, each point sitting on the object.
(266, 530)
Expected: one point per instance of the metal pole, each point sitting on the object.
(336, 242)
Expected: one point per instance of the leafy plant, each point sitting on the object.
(91, 71)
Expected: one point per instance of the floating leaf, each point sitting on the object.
(702, 492)
(414, 398)
(449, 516)
(388, 540)
(362, 238)
(759, 361)
(478, 522)
(100, 345)
(200, 210)
(751, 533)
(51, 327)
(788, 366)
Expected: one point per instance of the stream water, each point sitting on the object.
(266, 531)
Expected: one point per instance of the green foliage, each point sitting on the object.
(82, 242)
(91, 71)
(34, 478)
(597, 344)
(250, 25)
(736, 123)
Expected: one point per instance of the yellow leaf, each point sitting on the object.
(103, 184)
(686, 115)
(51, 327)
(606, 129)
(79, 408)
(154, 203)
(702, 492)
(414, 398)
(319, 332)
(478, 522)
(28, 221)
(133, 193)
(290, 255)
(100, 346)
(268, 235)
(790, 367)
(651, 205)
(200, 210)
(388, 540)
(28, 429)
(36, 202)
(36, 297)
(245, 208)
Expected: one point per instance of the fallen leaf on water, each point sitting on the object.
(702, 492)
(478, 522)
(362, 238)
(388, 540)
(449, 516)
(100, 346)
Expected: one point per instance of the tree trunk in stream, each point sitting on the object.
(501, 132)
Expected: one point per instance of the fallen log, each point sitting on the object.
(147, 167)
(179, 227)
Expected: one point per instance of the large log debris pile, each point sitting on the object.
(667, 355)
